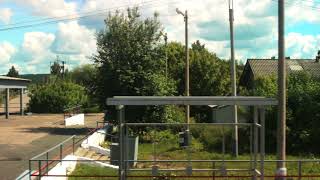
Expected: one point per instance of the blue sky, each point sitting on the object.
(32, 49)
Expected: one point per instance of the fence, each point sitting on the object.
(41, 164)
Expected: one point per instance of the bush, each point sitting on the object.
(54, 97)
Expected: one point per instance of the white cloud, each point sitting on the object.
(6, 52)
(36, 47)
(302, 46)
(5, 15)
(76, 40)
(54, 8)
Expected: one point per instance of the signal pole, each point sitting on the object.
(281, 126)
(233, 78)
(185, 15)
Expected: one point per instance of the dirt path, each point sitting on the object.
(23, 137)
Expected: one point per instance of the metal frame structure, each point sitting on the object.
(8, 83)
(258, 103)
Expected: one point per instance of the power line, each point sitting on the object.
(53, 20)
(72, 15)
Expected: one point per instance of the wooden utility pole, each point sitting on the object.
(233, 78)
(281, 126)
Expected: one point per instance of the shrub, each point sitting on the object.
(54, 97)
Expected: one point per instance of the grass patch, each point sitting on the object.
(167, 151)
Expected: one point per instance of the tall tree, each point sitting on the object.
(130, 60)
(13, 72)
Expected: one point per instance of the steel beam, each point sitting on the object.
(191, 100)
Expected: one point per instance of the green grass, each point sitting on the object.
(169, 151)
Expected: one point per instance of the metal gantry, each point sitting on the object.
(258, 103)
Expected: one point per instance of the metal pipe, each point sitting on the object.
(61, 153)
(255, 140)
(121, 159)
(7, 103)
(54, 147)
(191, 124)
(47, 166)
(30, 170)
(262, 142)
(21, 102)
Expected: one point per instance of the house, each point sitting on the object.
(256, 68)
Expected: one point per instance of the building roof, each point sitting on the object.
(263, 67)
(13, 78)
(13, 83)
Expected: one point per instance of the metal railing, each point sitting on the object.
(215, 163)
(48, 159)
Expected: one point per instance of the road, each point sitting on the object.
(23, 137)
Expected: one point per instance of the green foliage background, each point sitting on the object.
(55, 96)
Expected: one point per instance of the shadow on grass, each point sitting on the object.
(59, 130)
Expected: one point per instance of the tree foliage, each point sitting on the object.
(303, 98)
(130, 61)
(13, 72)
(55, 96)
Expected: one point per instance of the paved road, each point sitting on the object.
(23, 137)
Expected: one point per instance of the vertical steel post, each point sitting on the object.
(30, 169)
(255, 140)
(39, 166)
(281, 125)
(120, 109)
(47, 161)
(73, 145)
(213, 170)
(21, 102)
(61, 153)
(300, 169)
(7, 102)
(262, 141)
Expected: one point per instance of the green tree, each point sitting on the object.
(130, 61)
(13, 72)
(84, 75)
(56, 96)
(55, 69)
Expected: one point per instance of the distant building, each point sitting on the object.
(256, 68)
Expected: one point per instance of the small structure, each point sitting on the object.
(258, 104)
(256, 68)
(8, 83)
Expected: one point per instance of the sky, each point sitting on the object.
(32, 48)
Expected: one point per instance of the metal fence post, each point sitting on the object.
(300, 169)
(255, 140)
(61, 153)
(120, 109)
(30, 169)
(213, 170)
(262, 141)
(39, 164)
(47, 156)
(73, 145)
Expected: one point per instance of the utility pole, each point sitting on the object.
(165, 37)
(281, 126)
(185, 15)
(233, 78)
(166, 51)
